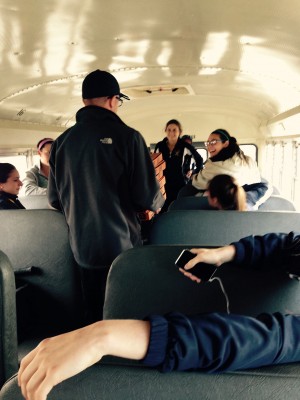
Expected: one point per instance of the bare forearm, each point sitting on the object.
(126, 338)
(64, 356)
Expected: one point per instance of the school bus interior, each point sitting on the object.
(210, 66)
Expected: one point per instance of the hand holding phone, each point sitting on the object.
(201, 270)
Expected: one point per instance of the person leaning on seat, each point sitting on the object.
(10, 186)
(224, 193)
(226, 157)
(36, 180)
(211, 342)
(101, 176)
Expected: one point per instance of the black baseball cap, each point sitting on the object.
(101, 84)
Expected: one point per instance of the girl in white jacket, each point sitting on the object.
(226, 157)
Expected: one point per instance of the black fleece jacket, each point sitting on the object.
(101, 176)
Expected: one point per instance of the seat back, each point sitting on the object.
(190, 203)
(8, 342)
(39, 238)
(49, 299)
(35, 202)
(145, 280)
(209, 228)
(277, 202)
(188, 190)
(119, 382)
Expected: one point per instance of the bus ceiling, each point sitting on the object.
(210, 64)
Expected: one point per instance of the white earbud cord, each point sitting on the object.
(223, 290)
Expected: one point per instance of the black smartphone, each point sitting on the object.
(202, 270)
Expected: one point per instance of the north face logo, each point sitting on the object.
(106, 140)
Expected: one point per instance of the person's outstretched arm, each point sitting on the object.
(273, 250)
(197, 157)
(218, 342)
(213, 342)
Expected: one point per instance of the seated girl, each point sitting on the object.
(10, 186)
(224, 193)
(226, 157)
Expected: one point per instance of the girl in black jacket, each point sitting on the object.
(182, 160)
(10, 185)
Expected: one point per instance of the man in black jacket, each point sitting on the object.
(101, 176)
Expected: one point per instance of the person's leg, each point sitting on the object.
(93, 283)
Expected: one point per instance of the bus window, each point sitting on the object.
(36, 159)
(203, 153)
(281, 167)
(19, 161)
(297, 176)
(250, 150)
